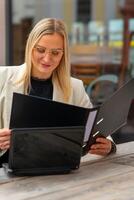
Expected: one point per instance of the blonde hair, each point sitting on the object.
(61, 75)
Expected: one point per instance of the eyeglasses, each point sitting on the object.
(55, 53)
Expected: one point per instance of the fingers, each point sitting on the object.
(101, 147)
(5, 145)
(5, 139)
(101, 152)
(102, 140)
(4, 132)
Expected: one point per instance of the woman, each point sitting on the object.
(46, 73)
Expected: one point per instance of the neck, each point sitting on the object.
(40, 76)
(41, 79)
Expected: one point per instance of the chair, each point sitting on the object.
(80, 67)
(84, 49)
(101, 88)
(85, 72)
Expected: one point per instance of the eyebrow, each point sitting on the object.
(46, 48)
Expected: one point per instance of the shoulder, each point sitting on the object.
(5, 73)
(76, 82)
(9, 73)
(9, 70)
(80, 97)
(6, 69)
(77, 85)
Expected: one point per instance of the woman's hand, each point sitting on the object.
(101, 147)
(5, 139)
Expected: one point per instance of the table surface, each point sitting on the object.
(109, 178)
(96, 59)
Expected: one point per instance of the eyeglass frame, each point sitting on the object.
(51, 51)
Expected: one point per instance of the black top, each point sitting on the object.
(41, 88)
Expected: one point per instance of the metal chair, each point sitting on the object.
(102, 87)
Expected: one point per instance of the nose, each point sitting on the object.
(47, 57)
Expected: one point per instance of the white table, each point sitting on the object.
(109, 178)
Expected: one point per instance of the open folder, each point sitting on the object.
(47, 136)
(30, 111)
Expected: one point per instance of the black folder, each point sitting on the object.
(47, 136)
(31, 115)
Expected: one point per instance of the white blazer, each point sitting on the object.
(9, 75)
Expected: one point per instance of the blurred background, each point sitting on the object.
(101, 36)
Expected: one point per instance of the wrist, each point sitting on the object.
(113, 148)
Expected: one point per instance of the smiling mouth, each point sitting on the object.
(45, 66)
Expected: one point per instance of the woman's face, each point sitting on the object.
(46, 55)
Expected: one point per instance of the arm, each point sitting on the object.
(4, 133)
